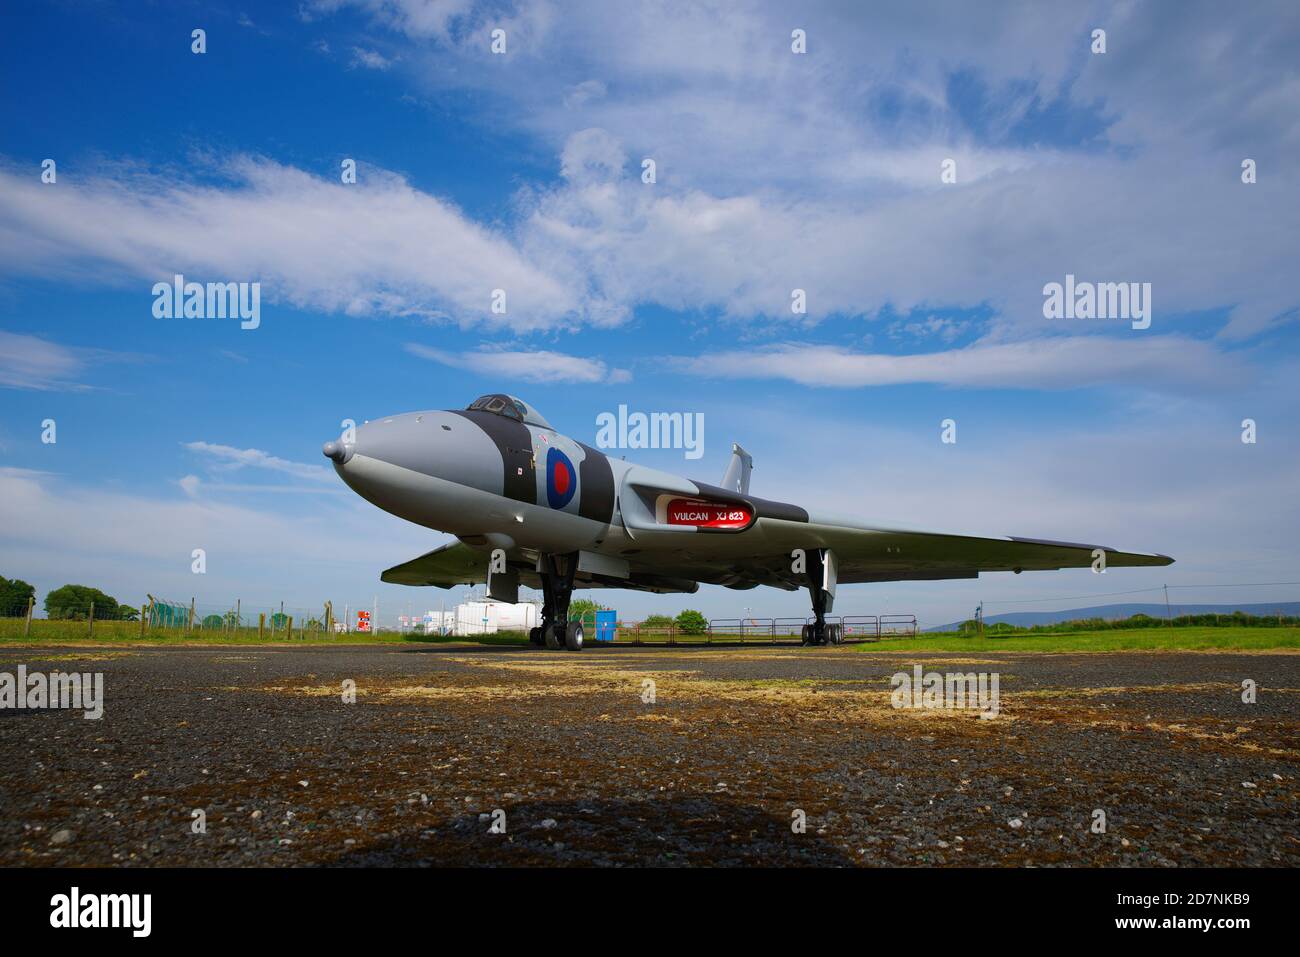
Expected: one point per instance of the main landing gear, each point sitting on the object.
(822, 574)
(556, 631)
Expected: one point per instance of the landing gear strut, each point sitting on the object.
(822, 575)
(556, 631)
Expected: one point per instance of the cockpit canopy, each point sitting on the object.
(498, 403)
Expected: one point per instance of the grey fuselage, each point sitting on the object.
(484, 478)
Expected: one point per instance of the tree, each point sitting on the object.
(657, 621)
(73, 602)
(582, 607)
(213, 621)
(691, 622)
(14, 597)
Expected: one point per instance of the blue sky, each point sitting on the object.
(776, 171)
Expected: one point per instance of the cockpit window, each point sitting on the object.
(498, 405)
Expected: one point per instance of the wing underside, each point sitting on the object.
(459, 564)
(748, 560)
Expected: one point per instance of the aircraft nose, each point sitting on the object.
(335, 451)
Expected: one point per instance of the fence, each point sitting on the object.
(104, 617)
(855, 628)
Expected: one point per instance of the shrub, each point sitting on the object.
(691, 622)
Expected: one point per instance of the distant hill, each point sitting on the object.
(1024, 619)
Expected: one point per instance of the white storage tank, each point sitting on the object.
(489, 617)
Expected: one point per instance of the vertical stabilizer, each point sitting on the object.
(737, 477)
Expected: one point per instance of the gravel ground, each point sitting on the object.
(714, 771)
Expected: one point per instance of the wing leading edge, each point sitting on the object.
(458, 564)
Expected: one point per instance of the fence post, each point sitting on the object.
(239, 620)
(288, 629)
(27, 625)
(91, 620)
(191, 622)
(142, 610)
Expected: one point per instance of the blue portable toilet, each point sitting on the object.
(606, 623)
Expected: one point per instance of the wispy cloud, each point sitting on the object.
(370, 59)
(30, 362)
(227, 457)
(1173, 363)
(378, 246)
(525, 366)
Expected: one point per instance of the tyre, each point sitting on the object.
(554, 636)
(573, 636)
(535, 636)
(803, 635)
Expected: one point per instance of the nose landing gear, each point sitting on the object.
(556, 631)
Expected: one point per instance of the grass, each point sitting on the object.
(1189, 638)
(1196, 638)
(46, 632)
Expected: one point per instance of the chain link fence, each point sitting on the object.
(59, 618)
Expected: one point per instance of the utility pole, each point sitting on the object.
(1168, 614)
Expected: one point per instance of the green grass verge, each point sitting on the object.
(45, 632)
(1136, 639)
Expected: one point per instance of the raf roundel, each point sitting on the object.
(561, 479)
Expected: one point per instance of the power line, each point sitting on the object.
(1241, 585)
(1135, 591)
(1029, 601)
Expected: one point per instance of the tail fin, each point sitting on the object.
(737, 477)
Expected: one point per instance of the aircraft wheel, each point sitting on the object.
(804, 635)
(535, 636)
(555, 636)
(833, 635)
(573, 636)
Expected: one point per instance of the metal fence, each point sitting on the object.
(105, 617)
(855, 628)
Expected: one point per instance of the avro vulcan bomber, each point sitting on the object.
(533, 507)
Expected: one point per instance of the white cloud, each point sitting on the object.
(822, 170)
(30, 362)
(1066, 362)
(775, 172)
(370, 59)
(525, 366)
(227, 457)
(377, 246)
(417, 18)
(994, 242)
(335, 549)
